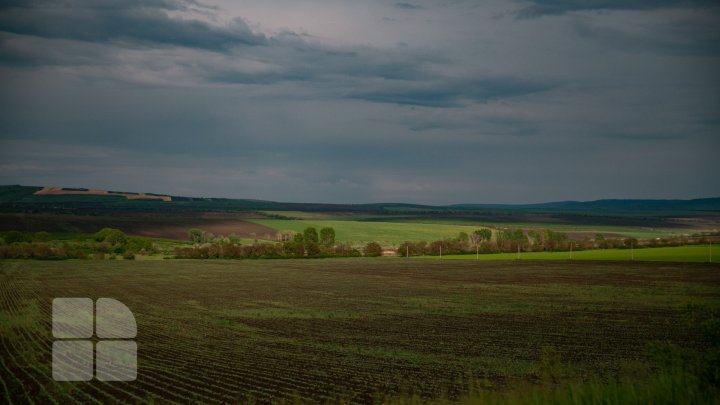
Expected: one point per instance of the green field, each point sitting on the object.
(353, 330)
(590, 230)
(393, 231)
(386, 233)
(694, 253)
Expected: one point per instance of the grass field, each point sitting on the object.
(590, 230)
(693, 253)
(348, 330)
(393, 231)
(387, 233)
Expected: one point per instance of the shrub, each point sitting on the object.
(312, 248)
(42, 236)
(197, 235)
(16, 237)
(111, 235)
(372, 249)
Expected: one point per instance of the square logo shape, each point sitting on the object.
(72, 318)
(113, 320)
(72, 360)
(116, 360)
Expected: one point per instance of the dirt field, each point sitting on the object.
(351, 330)
(157, 225)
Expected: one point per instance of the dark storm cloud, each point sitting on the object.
(141, 22)
(82, 29)
(537, 8)
(282, 100)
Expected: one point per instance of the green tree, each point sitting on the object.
(310, 234)
(372, 249)
(111, 235)
(327, 237)
(196, 235)
(463, 237)
(483, 234)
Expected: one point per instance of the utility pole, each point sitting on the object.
(710, 251)
(440, 252)
(407, 251)
(477, 252)
(571, 250)
(518, 254)
(632, 251)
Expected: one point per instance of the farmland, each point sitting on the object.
(352, 330)
(148, 224)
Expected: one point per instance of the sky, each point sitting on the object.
(427, 101)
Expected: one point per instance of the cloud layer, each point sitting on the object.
(432, 102)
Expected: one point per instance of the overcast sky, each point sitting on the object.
(445, 101)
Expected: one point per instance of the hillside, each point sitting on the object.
(16, 197)
(622, 205)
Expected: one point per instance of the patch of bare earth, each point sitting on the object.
(129, 196)
(156, 225)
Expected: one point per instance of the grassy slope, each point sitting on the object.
(384, 232)
(698, 254)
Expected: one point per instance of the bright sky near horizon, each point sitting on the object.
(433, 101)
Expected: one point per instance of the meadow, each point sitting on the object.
(389, 230)
(385, 233)
(688, 253)
(352, 330)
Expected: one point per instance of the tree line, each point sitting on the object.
(534, 240)
(113, 243)
(309, 243)
(107, 243)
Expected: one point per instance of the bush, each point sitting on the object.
(372, 249)
(197, 236)
(412, 249)
(16, 237)
(111, 235)
(42, 236)
(312, 248)
(128, 255)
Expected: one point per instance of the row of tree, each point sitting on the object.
(61, 251)
(107, 243)
(111, 243)
(514, 240)
(309, 243)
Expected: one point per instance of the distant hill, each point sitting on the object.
(21, 198)
(700, 204)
